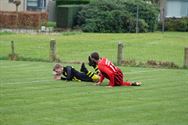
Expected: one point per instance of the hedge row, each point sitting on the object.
(175, 24)
(118, 16)
(31, 20)
(68, 2)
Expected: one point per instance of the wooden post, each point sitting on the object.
(52, 50)
(12, 55)
(163, 21)
(120, 53)
(186, 57)
(12, 48)
(137, 18)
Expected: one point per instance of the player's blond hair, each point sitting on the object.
(57, 66)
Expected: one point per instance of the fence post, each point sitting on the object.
(163, 21)
(12, 48)
(52, 50)
(186, 57)
(137, 19)
(120, 53)
(12, 55)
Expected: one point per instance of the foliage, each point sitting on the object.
(66, 15)
(32, 20)
(51, 24)
(65, 2)
(117, 16)
(151, 64)
(175, 24)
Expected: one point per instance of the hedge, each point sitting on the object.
(118, 16)
(32, 20)
(66, 15)
(68, 2)
(175, 24)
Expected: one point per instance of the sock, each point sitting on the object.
(126, 83)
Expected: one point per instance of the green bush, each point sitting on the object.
(117, 16)
(65, 2)
(66, 15)
(175, 24)
(51, 24)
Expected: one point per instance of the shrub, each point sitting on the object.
(175, 24)
(117, 16)
(65, 2)
(23, 19)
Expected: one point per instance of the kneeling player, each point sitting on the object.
(110, 71)
(69, 73)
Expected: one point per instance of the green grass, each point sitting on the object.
(75, 46)
(51, 24)
(29, 96)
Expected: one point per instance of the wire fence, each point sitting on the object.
(50, 52)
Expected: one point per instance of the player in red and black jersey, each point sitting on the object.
(110, 71)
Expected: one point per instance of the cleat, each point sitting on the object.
(136, 84)
(83, 68)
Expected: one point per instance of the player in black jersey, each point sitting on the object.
(69, 73)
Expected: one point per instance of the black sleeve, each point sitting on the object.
(62, 78)
(69, 73)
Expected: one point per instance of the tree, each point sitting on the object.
(118, 16)
(17, 3)
(157, 2)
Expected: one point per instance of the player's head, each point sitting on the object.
(93, 58)
(57, 69)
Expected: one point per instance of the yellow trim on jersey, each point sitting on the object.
(93, 76)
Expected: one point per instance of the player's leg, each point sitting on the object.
(90, 74)
(136, 84)
(118, 79)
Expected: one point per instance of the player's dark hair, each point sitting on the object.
(94, 56)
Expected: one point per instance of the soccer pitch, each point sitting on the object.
(29, 96)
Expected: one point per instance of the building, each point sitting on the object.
(37, 5)
(26, 5)
(31, 5)
(174, 8)
(7, 5)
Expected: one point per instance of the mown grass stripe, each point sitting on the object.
(35, 98)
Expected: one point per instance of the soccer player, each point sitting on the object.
(110, 71)
(69, 73)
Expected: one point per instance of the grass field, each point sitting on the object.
(76, 46)
(29, 96)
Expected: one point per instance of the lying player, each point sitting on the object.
(69, 73)
(110, 71)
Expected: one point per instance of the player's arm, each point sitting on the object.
(56, 75)
(101, 79)
(69, 72)
(109, 73)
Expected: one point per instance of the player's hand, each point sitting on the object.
(109, 86)
(57, 77)
(98, 83)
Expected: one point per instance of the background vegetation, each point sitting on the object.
(175, 24)
(118, 16)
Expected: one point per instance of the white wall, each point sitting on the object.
(176, 8)
(5, 5)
